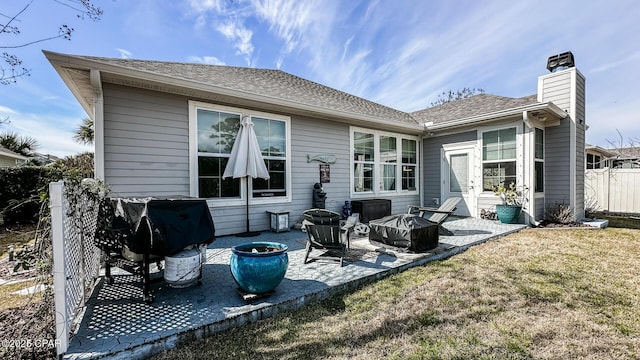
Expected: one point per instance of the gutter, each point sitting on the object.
(98, 124)
(548, 106)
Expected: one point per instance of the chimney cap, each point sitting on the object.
(560, 62)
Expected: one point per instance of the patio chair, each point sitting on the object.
(439, 215)
(325, 233)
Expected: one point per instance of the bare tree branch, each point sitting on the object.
(449, 96)
(83, 8)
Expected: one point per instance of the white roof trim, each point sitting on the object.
(11, 154)
(549, 107)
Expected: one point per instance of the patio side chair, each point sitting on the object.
(439, 215)
(325, 233)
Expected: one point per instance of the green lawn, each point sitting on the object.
(537, 294)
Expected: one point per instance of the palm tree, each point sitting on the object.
(85, 133)
(22, 145)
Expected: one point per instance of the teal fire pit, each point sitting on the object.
(259, 267)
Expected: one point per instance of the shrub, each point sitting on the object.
(561, 214)
(20, 192)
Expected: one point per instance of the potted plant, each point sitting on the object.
(513, 199)
(259, 267)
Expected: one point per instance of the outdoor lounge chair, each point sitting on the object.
(439, 215)
(325, 233)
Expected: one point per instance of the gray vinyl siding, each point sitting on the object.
(556, 87)
(146, 142)
(147, 154)
(6, 162)
(309, 136)
(557, 164)
(487, 203)
(540, 209)
(431, 163)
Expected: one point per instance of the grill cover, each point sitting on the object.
(409, 231)
(155, 226)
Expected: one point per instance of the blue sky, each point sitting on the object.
(400, 53)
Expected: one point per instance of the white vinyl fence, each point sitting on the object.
(76, 261)
(613, 190)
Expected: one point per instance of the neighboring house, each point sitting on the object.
(619, 158)
(597, 157)
(164, 129)
(626, 157)
(9, 158)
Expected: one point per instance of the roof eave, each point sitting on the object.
(498, 115)
(11, 154)
(60, 61)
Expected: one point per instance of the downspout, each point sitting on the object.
(421, 172)
(98, 124)
(530, 216)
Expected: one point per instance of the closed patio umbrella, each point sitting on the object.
(245, 160)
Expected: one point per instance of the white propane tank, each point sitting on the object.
(182, 269)
(202, 248)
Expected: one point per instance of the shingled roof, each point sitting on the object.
(268, 83)
(270, 86)
(472, 106)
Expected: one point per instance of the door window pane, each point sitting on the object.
(459, 173)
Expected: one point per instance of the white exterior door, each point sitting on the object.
(458, 176)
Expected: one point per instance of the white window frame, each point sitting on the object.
(539, 160)
(244, 185)
(519, 155)
(378, 163)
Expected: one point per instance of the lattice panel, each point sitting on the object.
(82, 258)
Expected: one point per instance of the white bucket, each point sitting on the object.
(182, 269)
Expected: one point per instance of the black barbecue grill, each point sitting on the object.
(133, 232)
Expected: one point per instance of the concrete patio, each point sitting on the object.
(117, 324)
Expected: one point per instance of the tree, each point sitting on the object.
(627, 155)
(619, 144)
(22, 145)
(85, 133)
(449, 96)
(15, 69)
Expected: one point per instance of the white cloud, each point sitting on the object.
(288, 19)
(124, 54)
(4, 111)
(206, 5)
(53, 137)
(201, 21)
(615, 64)
(234, 30)
(209, 60)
